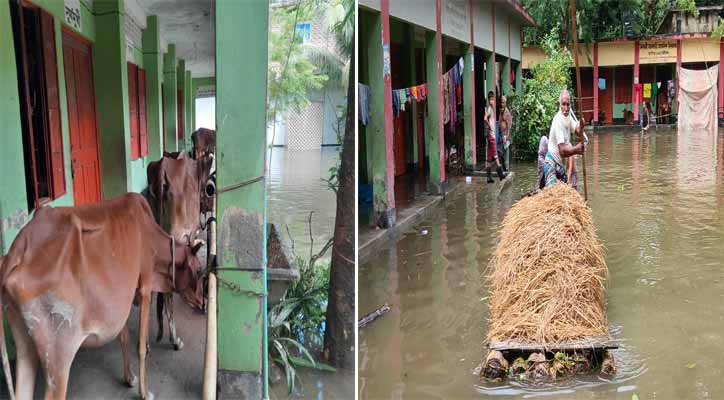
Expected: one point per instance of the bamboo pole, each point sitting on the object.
(578, 92)
(210, 360)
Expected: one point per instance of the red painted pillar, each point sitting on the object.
(495, 62)
(721, 78)
(678, 72)
(472, 75)
(440, 104)
(389, 127)
(636, 80)
(595, 83)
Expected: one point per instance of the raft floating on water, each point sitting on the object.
(547, 291)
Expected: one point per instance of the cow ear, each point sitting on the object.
(196, 247)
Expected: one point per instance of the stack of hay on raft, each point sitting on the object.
(547, 291)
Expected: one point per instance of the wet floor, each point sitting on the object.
(657, 205)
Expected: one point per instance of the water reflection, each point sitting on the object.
(657, 206)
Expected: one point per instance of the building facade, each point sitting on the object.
(405, 44)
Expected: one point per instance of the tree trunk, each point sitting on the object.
(339, 335)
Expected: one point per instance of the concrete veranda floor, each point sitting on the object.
(97, 373)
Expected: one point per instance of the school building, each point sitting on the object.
(619, 75)
(93, 91)
(425, 68)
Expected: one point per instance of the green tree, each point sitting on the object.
(534, 111)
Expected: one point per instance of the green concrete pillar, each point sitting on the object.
(193, 104)
(153, 63)
(379, 129)
(241, 68)
(187, 110)
(433, 122)
(506, 76)
(519, 78)
(181, 82)
(170, 87)
(468, 111)
(489, 75)
(413, 82)
(111, 86)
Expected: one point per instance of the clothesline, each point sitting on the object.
(401, 97)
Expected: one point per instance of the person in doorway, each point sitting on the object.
(506, 116)
(646, 118)
(492, 153)
(559, 141)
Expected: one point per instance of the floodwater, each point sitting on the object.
(296, 189)
(657, 203)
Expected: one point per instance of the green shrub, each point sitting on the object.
(534, 111)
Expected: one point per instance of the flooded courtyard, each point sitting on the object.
(657, 206)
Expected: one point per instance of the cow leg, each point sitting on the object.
(175, 340)
(142, 339)
(128, 376)
(159, 315)
(26, 355)
(56, 354)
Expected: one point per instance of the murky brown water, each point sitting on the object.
(295, 189)
(657, 205)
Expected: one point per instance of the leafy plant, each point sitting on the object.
(534, 112)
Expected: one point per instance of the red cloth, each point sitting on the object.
(492, 149)
(459, 91)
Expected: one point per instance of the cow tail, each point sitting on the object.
(3, 345)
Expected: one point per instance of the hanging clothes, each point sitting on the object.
(602, 83)
(446, 102)
(363, 102)
(413, 90)
(423, 91)
(459, 90)
(403, 98)
(451, 101)
(395, 104)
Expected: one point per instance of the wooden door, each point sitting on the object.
(605, 96)
(82, 120)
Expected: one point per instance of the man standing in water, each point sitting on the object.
(504, 134)
(559, 141)
(492, 155)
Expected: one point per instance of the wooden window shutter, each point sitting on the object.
(143, 131)
(55, 133)
(133, 108)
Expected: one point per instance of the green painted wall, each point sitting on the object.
(169, 97)
(506, 76)
(188, 110)
(181, 85)
(13, 199)
(153, 61)
(413, 82)
(111, 83)
(241, 67)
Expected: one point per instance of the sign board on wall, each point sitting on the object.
(72, 14)
(456, 20)
(651, 52)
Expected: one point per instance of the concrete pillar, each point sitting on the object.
(636, 98)
(153, 63)
(111, 86)
(194, 88)
(721, 77)
(506, 76)
(469, 95)
(181, 82)
(435, 125)
(519, 77)
(489, 75)
(170, 87)
(595, 83)
(241, 67)
(492, 76)
(678, 72)
(188, 110)
(380, 129)
(413, 82)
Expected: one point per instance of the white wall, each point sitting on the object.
(206, 113)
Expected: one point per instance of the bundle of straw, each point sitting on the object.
(548, 272)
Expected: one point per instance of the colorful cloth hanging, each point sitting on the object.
(363, 102)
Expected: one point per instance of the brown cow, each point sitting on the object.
(204, 141)
(70, 279)
(174, 191)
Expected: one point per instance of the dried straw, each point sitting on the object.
(548, 272)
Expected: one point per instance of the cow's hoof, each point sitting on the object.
(149, 395)
(132, 382)
(178, 345)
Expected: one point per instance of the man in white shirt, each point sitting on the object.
(559, 141)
